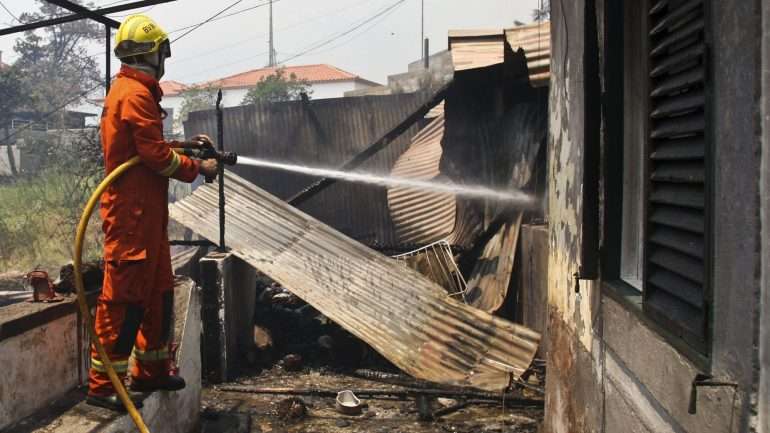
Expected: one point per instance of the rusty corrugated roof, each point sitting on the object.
(535, 40)
(472, 49)
(401, 314)
(422, 217)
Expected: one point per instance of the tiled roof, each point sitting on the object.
(312, 73)
(171, 88)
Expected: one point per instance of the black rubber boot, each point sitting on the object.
(112, 402)
(164, 383)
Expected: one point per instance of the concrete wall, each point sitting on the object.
(38, 367)
(176, 412)
(163, 412)
(574, 381)
(229, 296)
(610, 369)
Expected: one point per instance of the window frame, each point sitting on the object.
(614, 149)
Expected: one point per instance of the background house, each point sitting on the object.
(325, 81)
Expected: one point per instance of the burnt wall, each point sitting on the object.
(610, 368)
(762, 411)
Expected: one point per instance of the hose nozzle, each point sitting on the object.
(227, 158)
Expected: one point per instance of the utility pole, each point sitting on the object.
(422, 27)
(272, 41)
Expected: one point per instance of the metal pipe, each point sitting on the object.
(77, 17)
(85, 12)
(221, 148)
(107, 58)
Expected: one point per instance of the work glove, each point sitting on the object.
(209, 168)
(203, 140)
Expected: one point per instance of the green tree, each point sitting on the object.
(196, 99)
(54, 61)
(276, 88)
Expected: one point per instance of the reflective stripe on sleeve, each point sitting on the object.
(172, 166)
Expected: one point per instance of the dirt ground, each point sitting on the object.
(235, 412)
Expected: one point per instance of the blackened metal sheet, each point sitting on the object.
(401, 314)
(491, 276)
(422, 217)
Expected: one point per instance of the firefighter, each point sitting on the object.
(134, 310)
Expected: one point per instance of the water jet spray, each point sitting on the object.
(515, 197)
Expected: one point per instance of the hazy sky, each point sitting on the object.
(235, 44)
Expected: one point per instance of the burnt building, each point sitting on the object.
(657, 217)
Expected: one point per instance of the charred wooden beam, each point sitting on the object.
(79, 16)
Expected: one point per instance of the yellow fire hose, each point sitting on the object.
(84, 310)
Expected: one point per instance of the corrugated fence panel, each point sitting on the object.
(326, 133)
(401, 314)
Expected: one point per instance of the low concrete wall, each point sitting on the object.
(41, 364)
(228, 296)
(163, 412)
(176, 412)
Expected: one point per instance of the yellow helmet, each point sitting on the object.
(138, 35)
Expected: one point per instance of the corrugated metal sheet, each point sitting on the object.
(422, 217)
(401, 314)
(491, 276)
(472, 49)
(324, 133)
(535, 40)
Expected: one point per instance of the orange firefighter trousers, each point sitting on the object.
(134, 310)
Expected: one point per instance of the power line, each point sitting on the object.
(222, 17)
(10, 13)
(374, 24)
(196, 27)
(325, 42)
(178, 60)
(381, 14)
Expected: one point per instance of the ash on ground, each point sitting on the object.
(297, 348)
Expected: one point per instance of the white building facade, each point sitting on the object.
(325, 81)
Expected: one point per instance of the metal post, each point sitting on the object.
(221, 147)
(107, 58)
(426, 54)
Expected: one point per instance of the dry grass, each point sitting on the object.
(38, 218)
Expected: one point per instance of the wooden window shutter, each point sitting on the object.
(677, 214)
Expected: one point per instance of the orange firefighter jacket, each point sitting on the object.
(132, 125)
